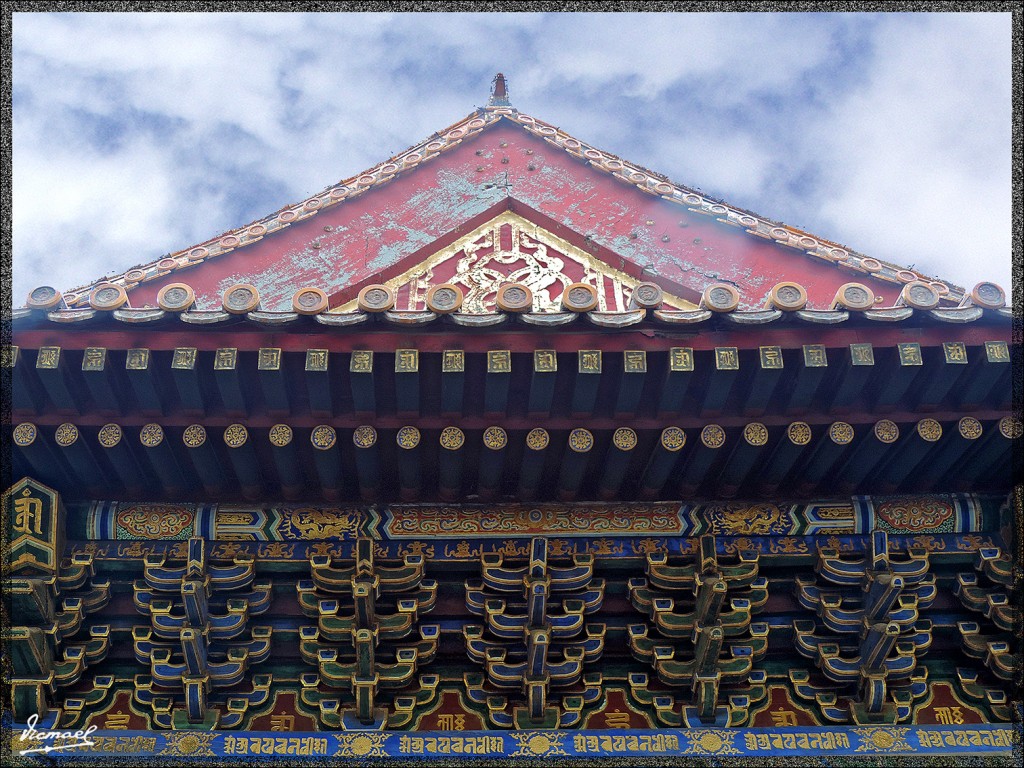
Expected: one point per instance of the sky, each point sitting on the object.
(140, 134)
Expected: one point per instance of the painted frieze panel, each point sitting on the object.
(509, 249)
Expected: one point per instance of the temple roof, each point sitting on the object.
(393, 220)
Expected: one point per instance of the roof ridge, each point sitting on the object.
(634, 174)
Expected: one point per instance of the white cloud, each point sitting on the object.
(887, 132)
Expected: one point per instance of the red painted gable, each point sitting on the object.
(405, 215)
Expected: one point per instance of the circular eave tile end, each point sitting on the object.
(788, 297)
(988, 296)
(648, 296)
(720, 297)
(579, 297)
(108, 297)
(240, 299)
(919, 295)
(176, 297)
(376, 298)
(444, 299)
(515, 297)
(44, 298)
(309, 301)
(855, 297)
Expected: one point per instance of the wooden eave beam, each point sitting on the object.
(990, 374)
(632, 379)
(868, 453)
(497, 381)
(318, 377)
(185, 373)
(361, 378)
(811, 370)
(723, 372)
(84, 463)
(407, 382)
(142, 379)
(367, 456)
(855, 370)
(767, 372)
(228, 380)
(206, 464)
(243, 460)
(589, 367)
(945, 367)
(781, 460)
(53, 372)
(26, 390)
(120, 456)
(158, 455)
(408, 458)
(272, 374)
(899, 370)
(679, 376)
(98, 373)
(542, 382)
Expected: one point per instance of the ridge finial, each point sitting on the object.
(499, 92)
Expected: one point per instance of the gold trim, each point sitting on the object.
(194, 435)
(625, 439)
(581, 440)
(537, 439)
(323, 437)
(280, 435)
(452, 438)
(235, 436)
(151, 435)
(408, 437)
(672, 439)
(712, 436)
(799, 433)
(364, 436)
(25, 434)
(66, 434)
(109, 435)
(593, 266)
(495, 438)
(887, 431)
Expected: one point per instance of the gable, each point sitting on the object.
(376, 226)
(510, 248)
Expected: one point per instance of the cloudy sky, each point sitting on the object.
(137, 135)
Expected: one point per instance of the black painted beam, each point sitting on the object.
(721, 380)
(408, 459)
(407, 382)
(542, 382)
(678, 379)
(617, 460)
(142, 379)
(574, 463)
(453, 380)
(229, 385)
(186, 380)
(361, 377)
(588, 382)
(492, 462)
(270, 370)
(327, 460)
(318, 383)
(663, 459)
(496, 382)
(531, 471)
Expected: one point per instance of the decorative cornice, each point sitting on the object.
(629, 173)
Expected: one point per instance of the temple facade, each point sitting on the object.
(510, 447)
